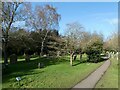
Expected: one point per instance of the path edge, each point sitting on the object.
(103, 74)
(90, 74)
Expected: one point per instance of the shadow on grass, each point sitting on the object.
(88, 61)
(79, 63)
(96, 61)
(21, 66)
(19, 74)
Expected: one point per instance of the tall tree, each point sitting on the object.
(42, 18)
(0, 28)
(9, 12)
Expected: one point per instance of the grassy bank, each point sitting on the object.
(110, 79)
(57, 73)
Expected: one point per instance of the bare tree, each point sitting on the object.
(74, 33)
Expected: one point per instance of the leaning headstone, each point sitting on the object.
(13, 58)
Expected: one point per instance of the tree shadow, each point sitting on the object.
(79, 63)
(19, 74)
(23, 68)
(88, 61)
(97, 61)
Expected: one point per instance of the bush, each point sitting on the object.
(93, 51)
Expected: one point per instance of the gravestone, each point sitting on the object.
(44, 55)
(40, 65)
(27, 58)
(13, 58)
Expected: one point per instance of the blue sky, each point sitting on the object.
(94, 16)
(101, 17)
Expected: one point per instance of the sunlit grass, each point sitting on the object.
(110, 79)
(57, 73)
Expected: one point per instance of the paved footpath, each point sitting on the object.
(94, 77)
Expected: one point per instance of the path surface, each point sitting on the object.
(94, 77)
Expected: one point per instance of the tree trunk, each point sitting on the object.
(89, 58)
(27, 57)
(42, 46)
(71, 58)
(5, 54)
(80, 56)
(5, 49)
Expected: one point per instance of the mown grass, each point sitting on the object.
(110, 79)
(19, 58)
(57, 73)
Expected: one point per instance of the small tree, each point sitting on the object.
(94, 50)
(86, 36)
(73, 38)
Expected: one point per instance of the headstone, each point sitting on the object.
(44, 55)
(27, 58)
(40, 65)
(13, 58)
(24, 54)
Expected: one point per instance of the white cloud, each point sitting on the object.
(113, 21)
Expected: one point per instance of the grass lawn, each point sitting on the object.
(57, 73)
(110, 79)
(19, 58)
